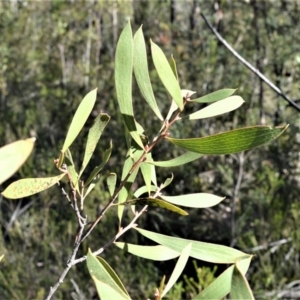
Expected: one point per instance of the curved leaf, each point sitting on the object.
(178, 161)
(93, 138)
(142, 190)
(13, 156)
(204, 251)
(95, 172)
(123, 80)
(217, 108)
(231, 141)
(29, 186)
(174, 67)
(140, 67)
(240, 288)
(156, 203)
(184, 256)
(200, 200)
(215, 96)
(107, 282)
(166, 74)
(82, 113)
(159, 253)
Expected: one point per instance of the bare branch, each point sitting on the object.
(249, 66)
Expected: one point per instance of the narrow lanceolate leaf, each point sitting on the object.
(13, 156)
(240, 288)
(159, 253)
(231, 141)
(146, 171)
(174, 67)
(200, 200)
(142, 190)
(178, 161)
(204, 251)
(111, 183)
(166, 74)
(167, 182)
(156, 203)
(215, 96)
(107, 282)
(93, 138)
(140, 67)
(74, 177)
(123, 79)
(221, 287)
(92, 185)
(82, 113)
(180, 265)
(218, 108)
(95, 172)
(132, 156)
(29, 186)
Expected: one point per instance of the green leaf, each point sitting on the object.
(108, 284)
(30, 186)
(142, 190)
(111, 183)
(219, 288)
(140, 67)
(204, 251)
(74, 177)
(1, 257)
(166, 74)
(132, 156)
(156, 203)
(240, 288)
(123, 80)
(159, 253)
(146, 171)
(95, 172)
(217, 108)
(200, 200)
(174, 67)
(93, 138)
(82, 113)
(215, 96)
(92, 185)
(13, 156)
(167, 182)
(231, 141)
(178, 161)
(180, 265)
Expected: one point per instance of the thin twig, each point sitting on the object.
(249, 66)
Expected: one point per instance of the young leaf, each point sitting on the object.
(230, 141)
(93, 138)
(107, 282)
(140, 67)
(29, 186)
(95, 172)
(204, 251)
(159, 253)
(240, 288)
(155, 203)
(200, 200)
(123, 80)
(166, 74)
(92, 185)
(74, 177)
(178, 161)
(82, 113)
(215, 96)
(218, 108)
(167, 182)
(13, 156)
(111, 183)
(180, 265)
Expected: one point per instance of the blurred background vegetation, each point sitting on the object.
(53, 52)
